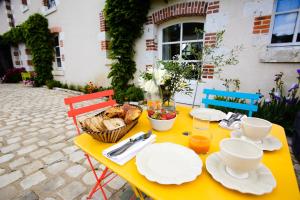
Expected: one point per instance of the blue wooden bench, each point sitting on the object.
(251, 107)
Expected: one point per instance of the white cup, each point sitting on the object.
(240, 156)
(255, 129)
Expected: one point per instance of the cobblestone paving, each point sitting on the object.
(38, 159)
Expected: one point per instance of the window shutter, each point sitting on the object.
(45, 2)
(24, 2)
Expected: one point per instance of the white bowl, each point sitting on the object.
(161, 125)
(255, 128)
(240, 156)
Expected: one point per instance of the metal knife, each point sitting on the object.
(128, 144)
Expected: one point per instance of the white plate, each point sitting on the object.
(269, 143)
(168, 163)
(259, 181)
(212, 114)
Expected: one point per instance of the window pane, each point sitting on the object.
(189, 32)
(56, 41)
(51, 3)
(284, 27)
(170, 50)
(190, 50)
(298, 34)
(171, 33)
(286, 5)
(57, 52)
(193, 69)
(58, 61)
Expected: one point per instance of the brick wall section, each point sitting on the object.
(104, 45)
(149, 20)
(151, 45)
(210, 39)
(16, 53)
(195, 8)
(213, 7)
(103, 26)
(207, 71)
(29, 62)
(27, 51)
(261, 24)
(55, 29)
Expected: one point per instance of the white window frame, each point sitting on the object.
(294, 43)
(24, 7)
(46, 11)
(174, 22)
(55, 57)
(180, 42)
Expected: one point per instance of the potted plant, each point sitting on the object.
(160, 85)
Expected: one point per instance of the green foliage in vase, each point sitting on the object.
(35, 34)
(125, 19)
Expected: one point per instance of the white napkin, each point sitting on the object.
(132, 151)
(235, 125)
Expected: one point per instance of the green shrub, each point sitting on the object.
(125, 19)
(134, 93)
(65, 86)
(52, 83)
(35, 34)
(225, 109)
(72, 87)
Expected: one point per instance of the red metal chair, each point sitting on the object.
(74, 112)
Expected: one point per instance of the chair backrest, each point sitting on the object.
(74, 112)
(251, 107)
(25, 76)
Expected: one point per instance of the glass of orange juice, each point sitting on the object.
(201, 137)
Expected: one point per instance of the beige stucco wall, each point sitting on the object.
(3, 18)
(84, 61)
(236, 18)
(80, 33)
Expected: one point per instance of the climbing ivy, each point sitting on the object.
(35, 34)
(125, 19)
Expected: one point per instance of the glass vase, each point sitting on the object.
(168, 100)
(154, 99)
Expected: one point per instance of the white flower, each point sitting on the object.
(159, 75)
(150, 86)
(141, 82)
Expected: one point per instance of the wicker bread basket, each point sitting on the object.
(111, 136)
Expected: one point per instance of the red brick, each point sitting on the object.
(256, 31)
(263, 17)
(265, 31)
(266, 21)
(29, 62)
(17, 62)
(262, 27)
(16, 53)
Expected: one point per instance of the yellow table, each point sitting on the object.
(204, 187)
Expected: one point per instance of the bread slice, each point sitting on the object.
(114, 123)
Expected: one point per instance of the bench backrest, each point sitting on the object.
(74, 112)
(25, 76)
(251, 107)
